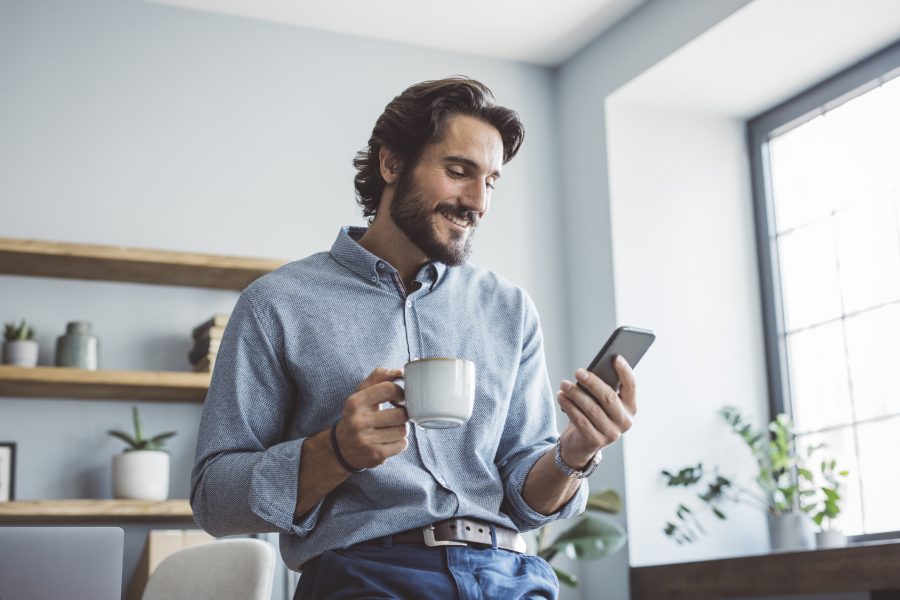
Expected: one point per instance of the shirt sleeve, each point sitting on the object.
(245, 473)
(530, 430)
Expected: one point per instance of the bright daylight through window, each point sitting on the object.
(835, 198)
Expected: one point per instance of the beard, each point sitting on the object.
(410, 213)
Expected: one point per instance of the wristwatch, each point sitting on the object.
(574, 473)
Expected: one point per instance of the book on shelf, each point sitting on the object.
(199, 352)
(218, 320)
(205, 364)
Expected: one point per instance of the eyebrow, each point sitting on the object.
(469, 163)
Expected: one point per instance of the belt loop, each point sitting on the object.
(493, 536)
(387, 541)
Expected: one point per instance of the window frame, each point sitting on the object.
(854, 81)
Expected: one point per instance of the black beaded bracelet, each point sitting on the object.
(337, 451)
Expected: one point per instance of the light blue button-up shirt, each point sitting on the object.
(299, 342)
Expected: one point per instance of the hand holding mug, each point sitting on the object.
(366, 435)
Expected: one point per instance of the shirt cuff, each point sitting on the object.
(525, 517)
(273, 489)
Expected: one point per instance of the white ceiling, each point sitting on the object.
(533, 31)
(765, 53)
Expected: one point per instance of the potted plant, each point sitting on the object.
(19, 346)
(829, 507)
(785, 488)
(591, 537)
(141, 471)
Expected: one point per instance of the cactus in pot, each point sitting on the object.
(19, 346)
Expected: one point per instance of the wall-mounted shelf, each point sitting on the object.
(57, 511)
(60, 382)
(135, 265)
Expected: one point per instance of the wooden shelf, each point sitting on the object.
(60, 382)
(45, 511)
(114, 263)
(862, 567)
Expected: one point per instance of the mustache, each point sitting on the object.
(460, 213)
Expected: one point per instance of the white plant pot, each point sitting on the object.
(830, 538)
(21, 353)
(791, 532)
(141, 475)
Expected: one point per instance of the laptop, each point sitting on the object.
(76, 563)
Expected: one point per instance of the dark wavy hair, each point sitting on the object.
(416, 118)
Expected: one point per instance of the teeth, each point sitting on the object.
(460, 222)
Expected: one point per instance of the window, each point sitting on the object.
(826, 170)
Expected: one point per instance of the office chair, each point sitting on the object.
(237, 569)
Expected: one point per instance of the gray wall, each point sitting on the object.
(145, 125)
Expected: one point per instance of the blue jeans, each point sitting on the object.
(382, 570)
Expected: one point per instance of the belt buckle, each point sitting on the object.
(428, 534)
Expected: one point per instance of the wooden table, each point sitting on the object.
(872, 567)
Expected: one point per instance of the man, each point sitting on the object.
(295, 436)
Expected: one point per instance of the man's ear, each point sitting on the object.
(389, 165)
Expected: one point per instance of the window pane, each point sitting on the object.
(797, 158)
(841, 447)
(874, 354)
(879, 447)
(809, 275)
(818, 373)
(868, 254)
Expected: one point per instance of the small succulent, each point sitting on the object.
(19, 333)
(139, 442)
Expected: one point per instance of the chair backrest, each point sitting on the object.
(238, 569)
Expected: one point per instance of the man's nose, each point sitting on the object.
(477, 197)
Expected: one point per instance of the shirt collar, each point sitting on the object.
(347, 251)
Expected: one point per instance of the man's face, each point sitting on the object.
(439, 203)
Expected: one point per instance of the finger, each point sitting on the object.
(386, 435)
(391, 417)
(592, 384)
(598, 432)
(628, 389)
(371, 397)
(379, 375)
(605, 407)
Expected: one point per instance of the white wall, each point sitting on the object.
(644, 38)
(685, 265)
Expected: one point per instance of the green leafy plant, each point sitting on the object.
(829, 507)
(591, 537)
(138, 441)
(784, 484)
(19, 333)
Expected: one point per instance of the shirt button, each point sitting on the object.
(374, 278)
(380, 266)
(409, 304)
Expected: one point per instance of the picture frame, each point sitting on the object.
(7, 471)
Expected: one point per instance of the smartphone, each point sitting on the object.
(630, 342)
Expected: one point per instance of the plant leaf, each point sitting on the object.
(565, 577)
(137, 424)
(590, 538)
(161, 437)
(607, 501)
(124, 437)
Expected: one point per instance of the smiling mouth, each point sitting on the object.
(457, 221)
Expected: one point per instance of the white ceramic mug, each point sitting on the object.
(439, 392)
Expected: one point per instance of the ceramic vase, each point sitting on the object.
(78, 348)
(141, 475)
(830, 538)
(20, 353)
(791, 532)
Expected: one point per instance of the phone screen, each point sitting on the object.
(630, 342)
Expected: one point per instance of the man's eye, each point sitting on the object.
(455, 173)
(490, 185)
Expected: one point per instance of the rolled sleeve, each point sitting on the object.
(530, 430)
(245, 474)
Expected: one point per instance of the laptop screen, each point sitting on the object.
(76, 563)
